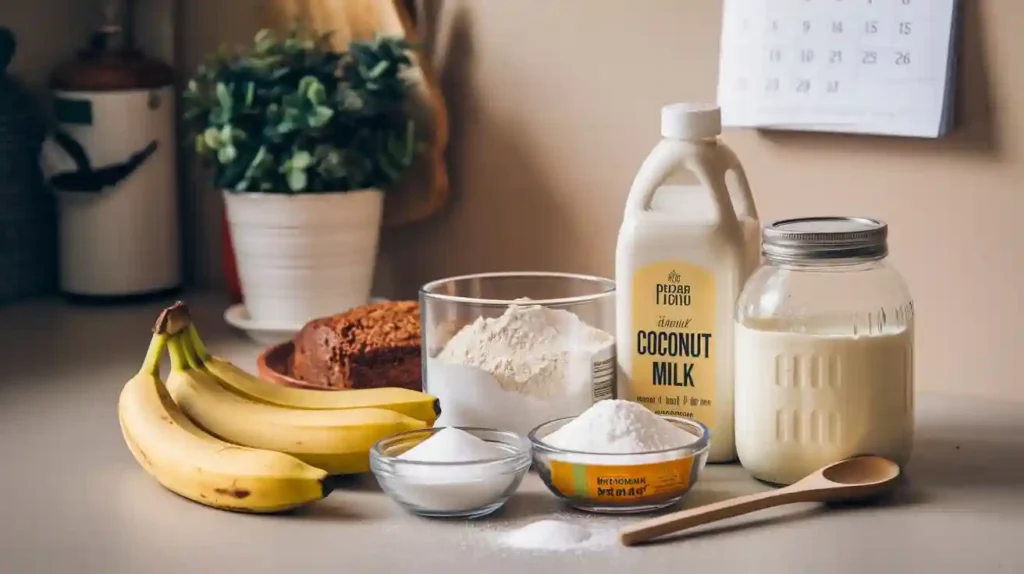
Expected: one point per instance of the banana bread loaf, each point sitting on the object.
(376, 345)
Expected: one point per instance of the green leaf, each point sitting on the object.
(223, 96)
(250, 93)
(259, 164)
(264, 40)
(212, 137)
(201, 146)
(261, 158)
(293, 102)
(220, 116)
(297, 180)
(301, 160)
(320, 116)
(306, 84)
(227, 154)
(317, 94)
(377, 70)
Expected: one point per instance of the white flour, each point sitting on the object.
(526, 367)
(453, 489)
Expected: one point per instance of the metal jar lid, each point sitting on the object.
(810, 238)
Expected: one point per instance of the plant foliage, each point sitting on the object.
(290, 115)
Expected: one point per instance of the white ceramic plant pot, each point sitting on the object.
(305, 255)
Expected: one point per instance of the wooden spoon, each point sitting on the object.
(852, 478)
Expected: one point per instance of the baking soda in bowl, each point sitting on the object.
(619, 427)
(452, 472)
(619, 457)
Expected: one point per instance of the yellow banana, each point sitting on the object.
(197, 466)
(336, 440)
(406, 401)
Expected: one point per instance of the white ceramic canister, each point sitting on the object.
(824, 350)
(686, 245)
(306, 255)
(112, 162)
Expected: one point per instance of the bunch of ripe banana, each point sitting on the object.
(224, 438)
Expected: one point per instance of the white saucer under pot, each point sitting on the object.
(266, 333)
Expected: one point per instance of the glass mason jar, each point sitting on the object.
(824, 350)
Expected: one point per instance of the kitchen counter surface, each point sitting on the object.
(79, 503)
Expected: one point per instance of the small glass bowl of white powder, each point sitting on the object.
(451, 472)
(618, 457)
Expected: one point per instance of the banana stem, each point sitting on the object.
(151, 364)
(197, 344)
(190, 352)
(179, 360)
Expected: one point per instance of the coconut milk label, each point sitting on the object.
(673, 367)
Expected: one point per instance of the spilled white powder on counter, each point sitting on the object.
(556, 536)
(619, 427)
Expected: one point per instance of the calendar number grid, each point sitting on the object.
(835, 62)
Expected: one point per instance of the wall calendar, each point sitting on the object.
(857, 66)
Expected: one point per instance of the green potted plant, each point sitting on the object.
(303, 141)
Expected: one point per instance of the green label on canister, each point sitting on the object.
(72, 111)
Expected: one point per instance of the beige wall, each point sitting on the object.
(48, 32)
(51, 31)
(554, 104)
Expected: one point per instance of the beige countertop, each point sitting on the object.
(77, 502)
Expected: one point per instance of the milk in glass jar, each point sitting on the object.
(824, 350)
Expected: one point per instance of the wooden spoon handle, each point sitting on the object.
(677, 521)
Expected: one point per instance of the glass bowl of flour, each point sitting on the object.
(451, 472)
(618, 457)
(513, 350)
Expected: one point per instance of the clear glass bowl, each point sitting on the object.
(621, 483)
(483, 387)
(450, 489)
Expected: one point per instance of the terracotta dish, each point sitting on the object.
(273, 365)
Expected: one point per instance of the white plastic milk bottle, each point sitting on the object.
(690, 236)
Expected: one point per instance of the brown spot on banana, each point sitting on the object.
(238, 493)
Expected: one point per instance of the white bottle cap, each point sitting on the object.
(691, 121)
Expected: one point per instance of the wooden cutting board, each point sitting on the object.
(425, 191)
